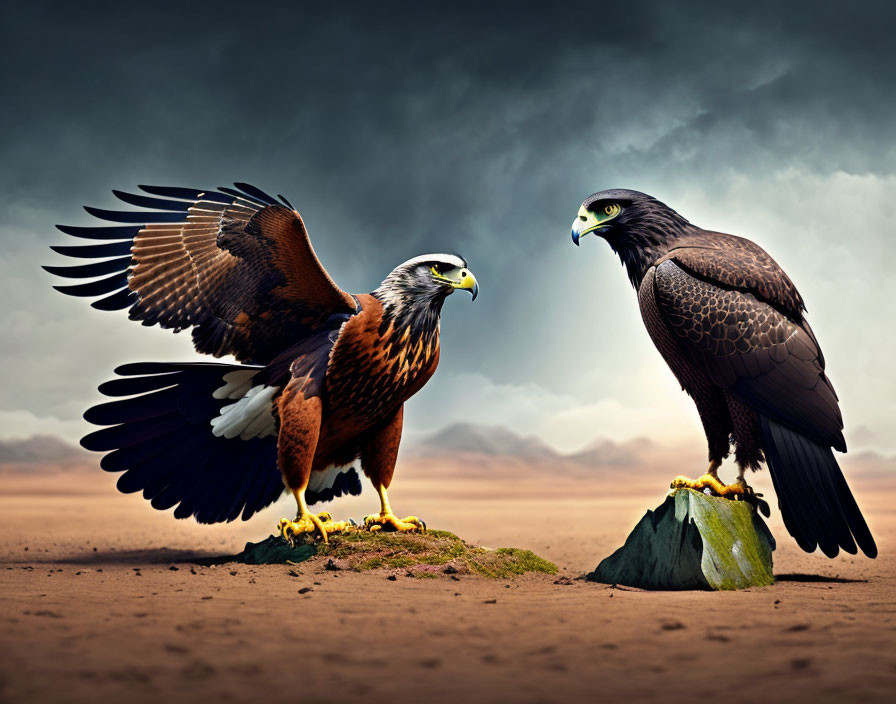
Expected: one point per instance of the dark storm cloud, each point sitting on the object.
(401, 120)
(403, 128)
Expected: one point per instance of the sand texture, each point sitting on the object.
(100, 602)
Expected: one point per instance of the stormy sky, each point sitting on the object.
(399, 129)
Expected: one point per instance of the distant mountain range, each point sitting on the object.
(484, 440)
(40, 451)
(498, 441)
(494, 444)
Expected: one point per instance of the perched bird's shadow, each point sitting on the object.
(128, 557)
(819, 578)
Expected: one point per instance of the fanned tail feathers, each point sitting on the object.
(816, 504)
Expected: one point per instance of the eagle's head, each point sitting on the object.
(637, 226)
(426, 280)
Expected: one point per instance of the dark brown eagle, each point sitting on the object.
(324, 374)
(730, 324)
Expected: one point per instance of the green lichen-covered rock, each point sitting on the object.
(693, 541)
(430, 554)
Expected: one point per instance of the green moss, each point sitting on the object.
(736, 545)
(371, 564)
(507, 562)
(422, 554)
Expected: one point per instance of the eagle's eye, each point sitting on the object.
(612, 209)
(438, 270)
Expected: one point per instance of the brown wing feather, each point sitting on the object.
(746, 345)
(292, 253)
(236, 266)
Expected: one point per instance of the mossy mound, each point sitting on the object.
(429, 554)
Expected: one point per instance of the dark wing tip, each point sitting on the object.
(94, 251)
(251, 190)
(120, 300)
(134, 216)
(85, 271)
(100, 233)
(191, 194)
(96, 288)
(142, 201)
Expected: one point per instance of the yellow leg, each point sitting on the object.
(309, 524)
(386, 520)
(741, 481)
(711, 481)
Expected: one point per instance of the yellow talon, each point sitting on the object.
(707, 480)
(390, 522)
(711, 480)
(311, 525)
(739, 490)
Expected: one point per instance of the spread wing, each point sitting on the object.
(234, 265)
(743, 340)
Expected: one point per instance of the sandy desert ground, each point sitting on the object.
(100, 602)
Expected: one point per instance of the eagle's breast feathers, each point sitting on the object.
(379, 361)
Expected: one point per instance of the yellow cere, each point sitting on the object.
(594, 220)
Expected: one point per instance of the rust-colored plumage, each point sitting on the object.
(730, 324)
(326, 373)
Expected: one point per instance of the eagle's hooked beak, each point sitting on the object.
(468, 283)
(585, 222)
(458, 278)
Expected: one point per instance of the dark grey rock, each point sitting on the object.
(693, 541)
(271, 551)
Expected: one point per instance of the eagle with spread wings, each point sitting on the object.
(322, 376)
(730, 324)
